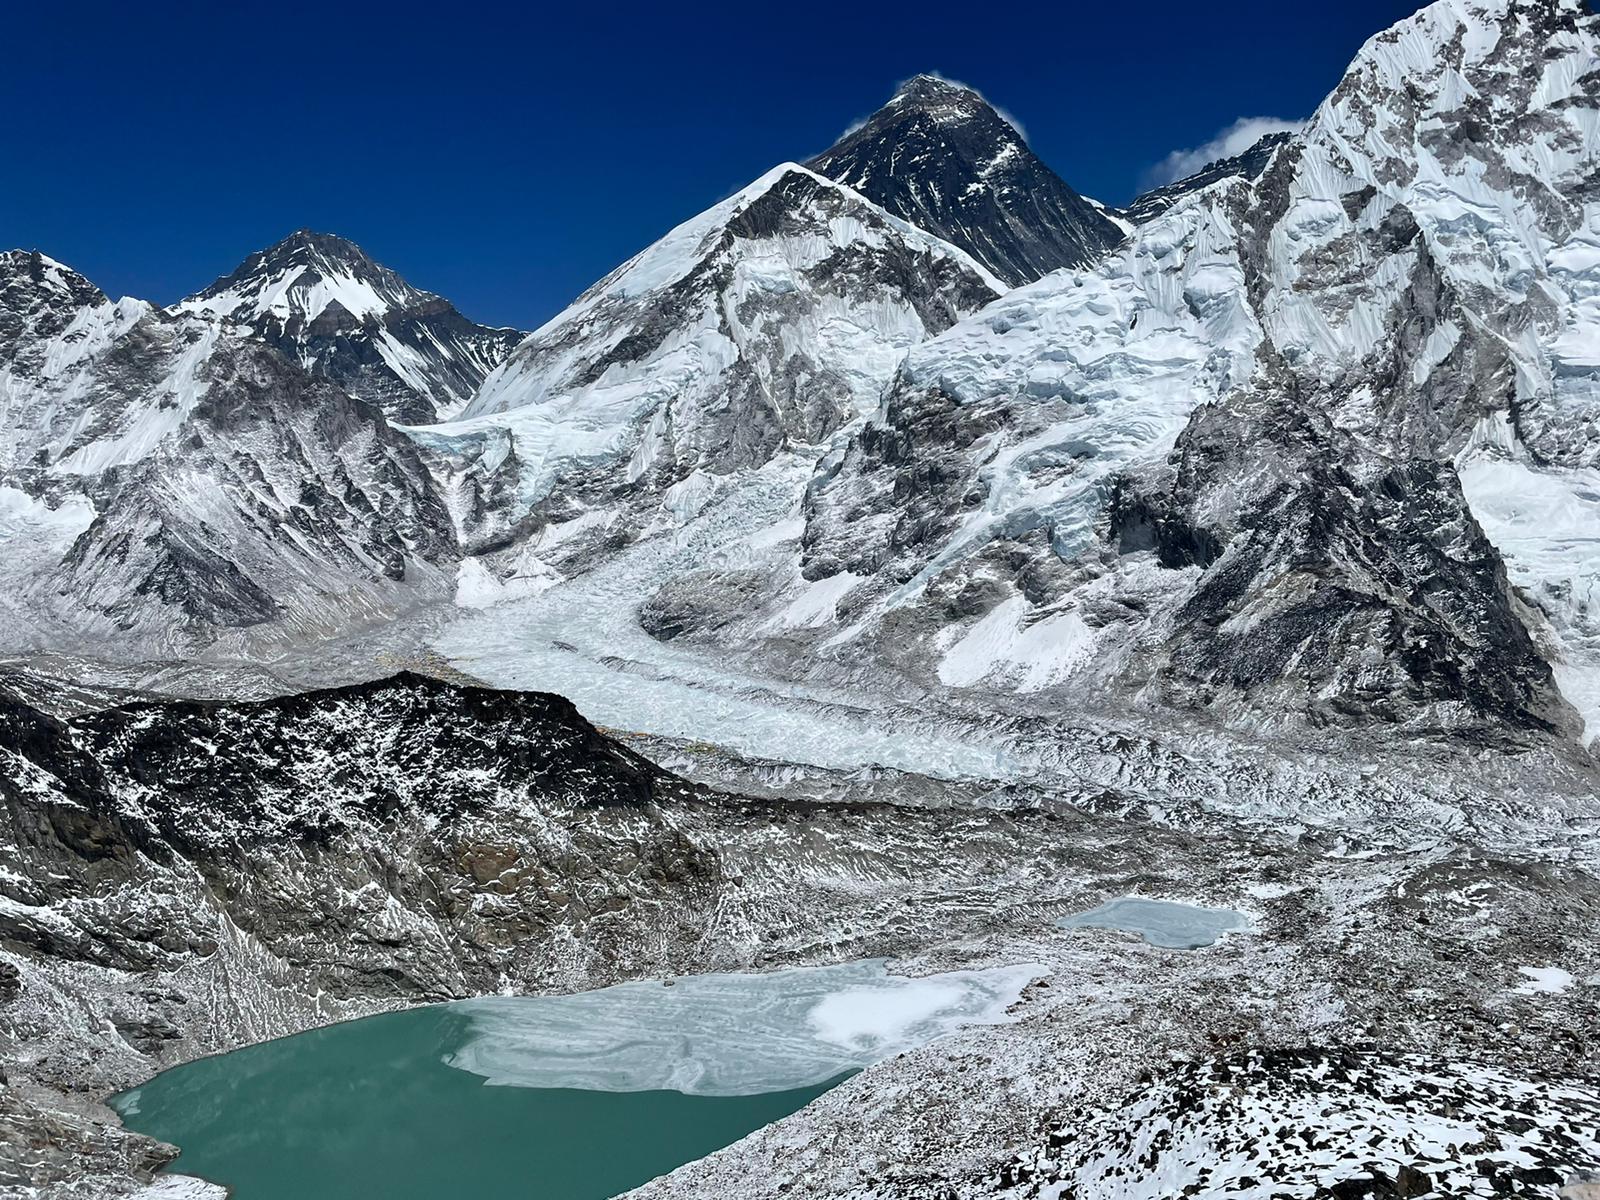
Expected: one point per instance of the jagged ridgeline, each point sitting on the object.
(1249, 448)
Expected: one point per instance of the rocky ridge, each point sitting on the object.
(179, 878)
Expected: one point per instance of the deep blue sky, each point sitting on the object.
(507, 156)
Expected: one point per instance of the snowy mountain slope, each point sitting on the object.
(59, 405)
(1015, 421)
(760, 327)
(178, 480)
(1430, 272)
(1419, 259)
(1157, 576)
(1219, 468)
(39, 297)
(940, 157)
(1493, 157)
(326, 305)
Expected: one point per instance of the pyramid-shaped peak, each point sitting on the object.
(304, 273)
(307, 244)
(943, 100)
(940, 156)
(930, 85)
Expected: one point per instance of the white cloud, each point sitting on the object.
(1235, 139)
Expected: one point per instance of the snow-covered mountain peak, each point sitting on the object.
(328, 305)
(750, 332)
(1410, 280)
(753, 212)
(301, 277)
(47, 277)
(40, 296)
(1471, 124)
(940, 156)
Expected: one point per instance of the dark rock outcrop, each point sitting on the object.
(940, 157)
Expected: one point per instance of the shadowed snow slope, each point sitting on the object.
(211, 484)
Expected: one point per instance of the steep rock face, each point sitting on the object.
(1409, 282)
(172, 480)
(404, 794)
(1340, 595)
(39, 297)
(327, 306)
(1248, 165)
(761, 326)
(940, 157)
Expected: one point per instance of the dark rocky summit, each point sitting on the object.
(940, 157)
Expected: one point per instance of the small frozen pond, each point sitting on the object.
(573, 1097)
(1161, 922)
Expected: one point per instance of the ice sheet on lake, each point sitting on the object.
(727, 1035)
(1161, 922)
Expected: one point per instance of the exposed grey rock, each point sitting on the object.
(327, 306)
(1249, 165)
(939, 156)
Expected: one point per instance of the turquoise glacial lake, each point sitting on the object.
(370, 1108)
(1165, 923)
(575, 1097)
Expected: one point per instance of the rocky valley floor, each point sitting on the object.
(221, 873)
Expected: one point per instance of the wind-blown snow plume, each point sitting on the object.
(1235, 139)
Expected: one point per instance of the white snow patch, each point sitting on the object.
(817, 603)
(1006, 645)
(1545, 522)
(479, 587)
(180, 1187)
(1551, 980)
(31, 523)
